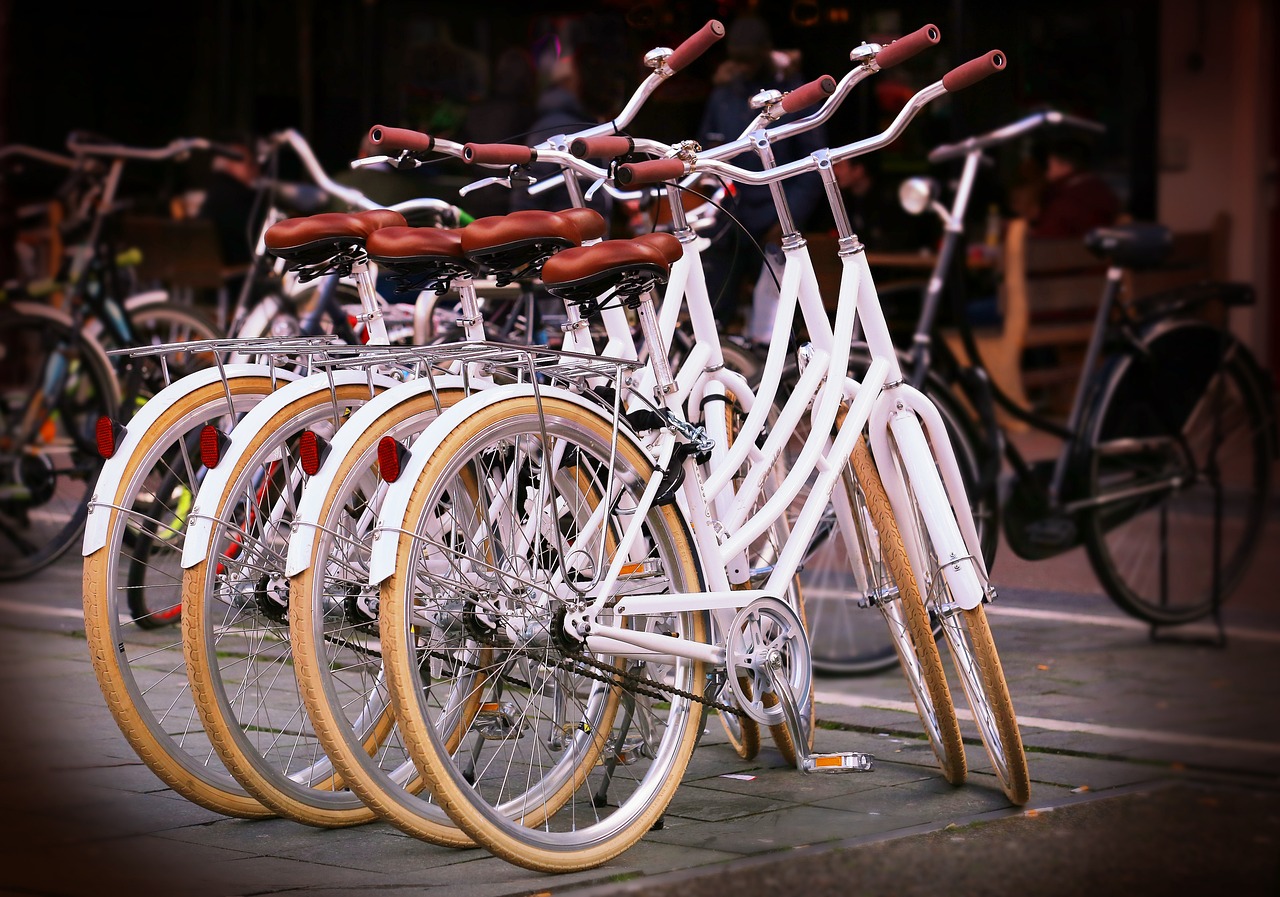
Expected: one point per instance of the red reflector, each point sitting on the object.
(109, 433)
(391, 458)
(311, 452)
(212, 443)
(354, 323)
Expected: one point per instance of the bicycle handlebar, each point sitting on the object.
(298, 143)
(350, 195)
(401, 139)
(973, 71)
(695, 45)
(611, 147)
(902, 49)
(601, 147)
(1010, 131)
(634, 174)
(510, 153)
(962, 76)
(395, 140)
(78, 144)
(498, 154)
(40, 155)
(806, 95)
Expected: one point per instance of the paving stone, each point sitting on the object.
(783, 829)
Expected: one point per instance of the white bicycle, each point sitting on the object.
(557, 563)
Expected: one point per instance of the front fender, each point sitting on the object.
(212, 492)
(395, 503)
(113, 471)
(311, 506)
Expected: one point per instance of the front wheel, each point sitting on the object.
(1180, 449)
(972, 648)
(845, 640)
(910, 630)
(573, 755)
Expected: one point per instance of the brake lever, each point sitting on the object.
(366, 161)
(595, 185)
(488, 182)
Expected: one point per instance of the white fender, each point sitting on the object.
(395, 504)
(195, 547)
(311, 506)
(95, 533)
(145, 298)
(88, 344)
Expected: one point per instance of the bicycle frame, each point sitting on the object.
(881, 399)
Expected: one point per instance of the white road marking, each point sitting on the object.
(1062, 725)
(1194, 629)
(23, 608)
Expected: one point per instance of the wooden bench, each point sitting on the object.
(1048, 297)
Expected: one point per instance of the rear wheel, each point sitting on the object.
(1179, 464)
(235, 608)
(333, 625)
(49, 461)
(570, 760)
(132, 595)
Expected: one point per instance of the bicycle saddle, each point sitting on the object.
(295, 237)
(630, 267)
(419, 258)
(516, 245)
(1131, 245)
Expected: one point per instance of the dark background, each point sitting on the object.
(143, 73)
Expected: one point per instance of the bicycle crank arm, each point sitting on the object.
(797, 725)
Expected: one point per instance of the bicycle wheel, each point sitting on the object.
(844, 639)
(333, 626)
(235, 623)
(908, 620)
(519, 507)
(132, 592)
(48, 455)
(1178, 467)
(973, 654)
(159, 322)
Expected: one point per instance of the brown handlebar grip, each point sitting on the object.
(498, 154)
(695, 45)
(394, 139)
(806, 95)
(973, 71)
(633, 174)
(907, 46)
(601, 147)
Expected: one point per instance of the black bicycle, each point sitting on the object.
(1163, 472)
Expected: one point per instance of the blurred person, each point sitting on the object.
(507, 112)
(562, 108)
(732, 262)
(875, 213)
(503, 116)
(1074, 199)
(230, 200)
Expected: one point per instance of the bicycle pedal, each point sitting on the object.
(846, 761)
(499, 722)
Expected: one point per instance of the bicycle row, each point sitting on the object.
(488, 592)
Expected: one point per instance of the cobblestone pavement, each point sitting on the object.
(1151, 761)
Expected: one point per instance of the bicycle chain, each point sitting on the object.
(637, 684)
